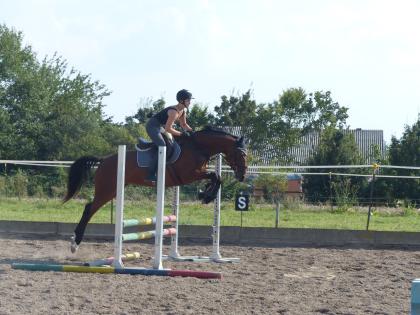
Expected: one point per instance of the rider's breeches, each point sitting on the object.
(153, 130)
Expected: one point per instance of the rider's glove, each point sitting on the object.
(186, 133)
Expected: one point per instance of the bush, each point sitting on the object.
(273, 186)
(18, 184)
(345, 195)
(231, 187)
(3, 186)
(139, 193)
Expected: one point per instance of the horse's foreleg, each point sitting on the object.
(211, 189)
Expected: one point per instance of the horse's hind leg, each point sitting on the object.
(105, 183)
(80, 228)
(90, 210)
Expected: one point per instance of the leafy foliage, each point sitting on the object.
(50, 111)
(292, 116)
(147, 108)
(406, 152)
(199, 117)
(272, 186)
(236, 110)
(276, 127)
(335, 148)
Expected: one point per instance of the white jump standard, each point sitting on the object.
(158, 220)
(215, 254)
(119, 221)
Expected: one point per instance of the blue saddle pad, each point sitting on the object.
(145, 156)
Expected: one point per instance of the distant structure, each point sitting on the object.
(366, 141)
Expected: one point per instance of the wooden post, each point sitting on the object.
(277, 213)
(372, 186)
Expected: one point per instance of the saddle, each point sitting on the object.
(147, 151)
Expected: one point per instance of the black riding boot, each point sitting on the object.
(151, 174)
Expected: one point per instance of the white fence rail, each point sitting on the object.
(262, 169)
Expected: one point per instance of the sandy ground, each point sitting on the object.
(285, 280)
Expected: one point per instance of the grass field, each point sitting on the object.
(194, 213)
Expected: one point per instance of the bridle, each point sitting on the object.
(238, 153)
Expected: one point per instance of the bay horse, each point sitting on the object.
(196, 151)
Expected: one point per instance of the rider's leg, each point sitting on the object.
(151, 172)
(153, 130)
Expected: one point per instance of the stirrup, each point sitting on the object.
(151, 178)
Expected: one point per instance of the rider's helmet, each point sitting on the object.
(183, 95)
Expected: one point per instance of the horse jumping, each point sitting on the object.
(191, 166)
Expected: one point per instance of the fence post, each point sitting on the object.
(372, 186)
(277, 213)
(112, 211)
(331, 196)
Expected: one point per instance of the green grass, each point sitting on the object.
(194, 213)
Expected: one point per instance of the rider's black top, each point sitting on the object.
(162, 116)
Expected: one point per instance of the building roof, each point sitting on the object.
(366, 140)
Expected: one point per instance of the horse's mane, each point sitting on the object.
(220, 131)
(217, 130)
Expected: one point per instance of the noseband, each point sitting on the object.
(233, 163)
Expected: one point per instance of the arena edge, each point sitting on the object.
(231, 235)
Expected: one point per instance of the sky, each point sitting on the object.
(366, 52)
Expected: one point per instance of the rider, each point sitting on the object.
(166, 118)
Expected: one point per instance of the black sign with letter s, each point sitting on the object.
(242, 202)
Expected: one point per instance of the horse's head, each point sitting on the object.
(214, 140)
(236, 158)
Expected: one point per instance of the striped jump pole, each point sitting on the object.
(215, 254)
(147, 221)
(131, 271)
(110, 260)
(146, 235)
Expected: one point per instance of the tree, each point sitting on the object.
(147, 108)
(15, 62)
(406, 152)
(335, 148)
(134, 129)
(198, 117)
(49, 111)
(294, 114)
(236, 110)
(276, 127)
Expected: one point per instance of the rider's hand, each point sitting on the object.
(186, 133)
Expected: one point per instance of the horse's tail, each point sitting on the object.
(78, 174)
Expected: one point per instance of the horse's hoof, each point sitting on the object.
(73, 245)
(208, 199)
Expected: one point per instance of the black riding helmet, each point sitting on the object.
(183, 95)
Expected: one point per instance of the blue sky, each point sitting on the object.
(367, 53)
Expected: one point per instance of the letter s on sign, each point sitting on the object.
(242, 202)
